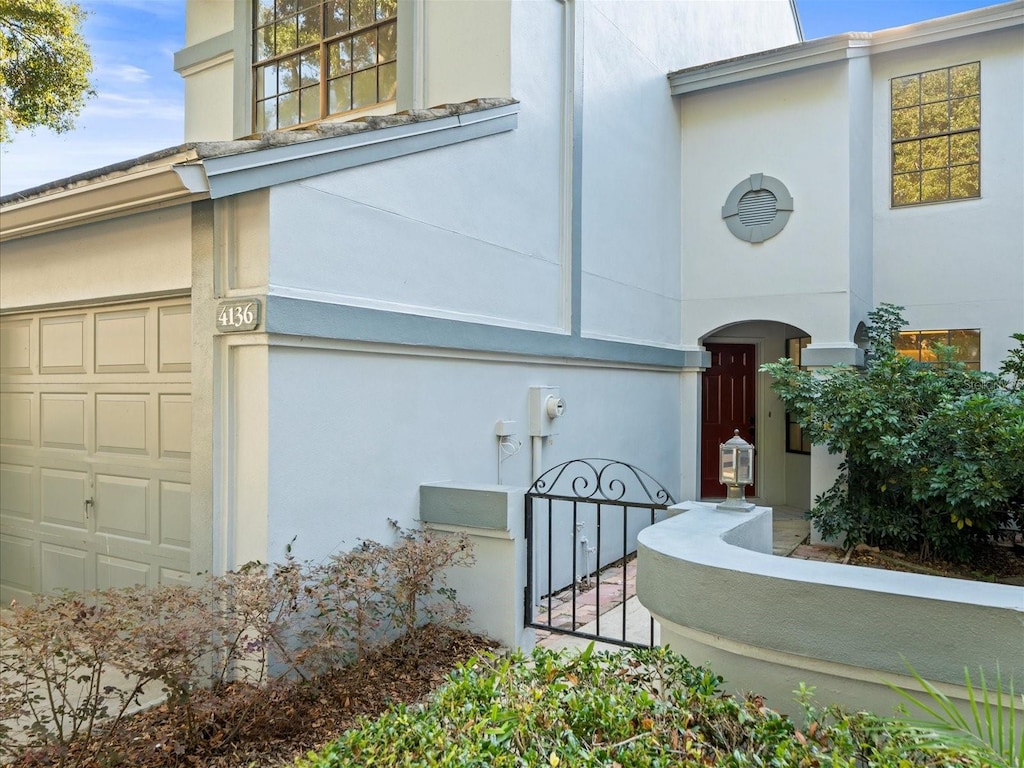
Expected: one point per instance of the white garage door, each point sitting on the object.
(95, 424)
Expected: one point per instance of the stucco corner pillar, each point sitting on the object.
(493, 517)
(825, 465)
(697, 360)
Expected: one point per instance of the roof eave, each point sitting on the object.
(220, 169)
(140, 188)
(843, 47)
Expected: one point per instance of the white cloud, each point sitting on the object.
(119, 106)
(124, 73)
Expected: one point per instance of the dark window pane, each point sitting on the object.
(306, 4)
(362, 13)
(261, 119)
(968, 345)
(965, 181)
(310, 67)
(288, 78)
(364, 49)
(340, 55)
(387, 81)
(906, 189)
(339, 95)
(965, 113)
(795, 438)
(934, 118)
(906, 156)
(263, 43)
(387, 47)
(934, 185)
(934, 86)
(965, 80)
(364, 88)
(309, 104)
(270, 114)
(907, 344)
(266, 81)
(935, 153)
(928, 340)
(337, 17)
(264, 11)
(288, 110)
(905, 91)
(906, 123)
(964, 148)
(287, 35)
(309, 27)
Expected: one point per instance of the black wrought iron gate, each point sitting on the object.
(582, 519)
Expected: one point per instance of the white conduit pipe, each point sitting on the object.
(536, 463)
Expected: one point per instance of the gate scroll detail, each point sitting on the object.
(582, 518)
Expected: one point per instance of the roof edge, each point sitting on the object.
(203, 170)
(850, 45)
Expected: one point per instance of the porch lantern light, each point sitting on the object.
(736, 472)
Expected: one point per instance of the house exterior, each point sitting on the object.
(377, 243)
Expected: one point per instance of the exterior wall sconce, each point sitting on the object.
(736, 472)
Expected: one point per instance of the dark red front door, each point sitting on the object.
(727, 403)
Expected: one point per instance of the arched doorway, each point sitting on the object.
(735, 395)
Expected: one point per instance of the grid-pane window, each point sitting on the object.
(314, 58)
(936, 135)
(796, 440)
(920, 345)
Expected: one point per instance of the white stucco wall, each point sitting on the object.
(470, 232)
(795, 128)
(959, 264)
(631, 150)
(354, 433)
(439, 233)
(824, 131)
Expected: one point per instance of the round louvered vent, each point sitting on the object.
(757, 208)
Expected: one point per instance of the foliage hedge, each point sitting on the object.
(934, 453)
(629, 709)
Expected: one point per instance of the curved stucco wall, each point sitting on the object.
(767, 623)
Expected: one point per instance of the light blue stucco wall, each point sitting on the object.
(354, 433)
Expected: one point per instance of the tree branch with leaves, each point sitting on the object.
(44, 65)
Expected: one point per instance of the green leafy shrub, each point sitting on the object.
(934, 454)
(73, 665)
(631, 709)
(993, 734)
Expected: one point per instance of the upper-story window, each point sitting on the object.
(314, 58)
(936, 135)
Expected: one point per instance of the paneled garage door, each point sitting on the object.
(95, 424)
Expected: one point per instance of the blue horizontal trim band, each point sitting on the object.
(302, 317)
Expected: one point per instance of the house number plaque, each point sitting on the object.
(238, 315)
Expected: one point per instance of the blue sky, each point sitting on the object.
(139, 102)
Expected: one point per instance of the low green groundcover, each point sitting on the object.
(624, 709)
